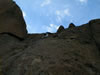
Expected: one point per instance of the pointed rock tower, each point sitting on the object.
(11, 19)
(71, 25)
(60, 29)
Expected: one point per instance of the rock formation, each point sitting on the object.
(95, 27)
(11, 19)
(60, 29)
(74, 51)
(71, 25)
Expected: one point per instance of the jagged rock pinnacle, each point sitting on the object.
(71, 25)
(60, 29)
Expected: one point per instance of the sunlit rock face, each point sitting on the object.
(11, 19)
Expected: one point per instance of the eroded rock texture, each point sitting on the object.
(74, 51)
(95, 29)
(11, 19)
(70, 51)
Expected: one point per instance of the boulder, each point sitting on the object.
(11, 19)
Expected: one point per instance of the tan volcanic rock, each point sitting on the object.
(11, 19)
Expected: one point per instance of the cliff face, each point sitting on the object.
(70, 51)
(11, 19)
(95, 29)
(74, 51)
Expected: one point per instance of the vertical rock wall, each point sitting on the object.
(95, 29)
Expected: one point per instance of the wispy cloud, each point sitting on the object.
(83, 1)
(66, 12)
(45, 2)
(61, 14)
(51, 28)
(29, 27)
(59, 19)
(24, 14)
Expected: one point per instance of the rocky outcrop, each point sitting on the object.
(73, 52)
(11, 19)
(60, 29)
(95, 29)
(71, 25)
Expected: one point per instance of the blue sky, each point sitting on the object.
(47, 15)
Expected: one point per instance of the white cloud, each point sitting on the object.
(28, 26)
(51, 28)
(46, 2)
(24, 14)
(59, 19)
(61, 14)
(66, 12)
(58, 12)
(83, 1)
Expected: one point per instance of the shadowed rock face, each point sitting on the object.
(71, 25)
(70, 51)
(74, 51)
(60, 29)
(95, 29)
(11, 19)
